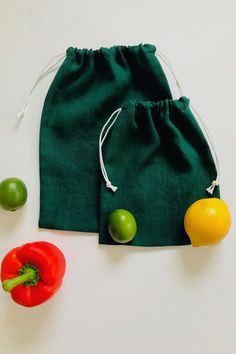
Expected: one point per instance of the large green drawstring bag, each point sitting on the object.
(88, 85)
(158, 158)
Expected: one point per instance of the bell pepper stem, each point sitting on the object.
(9, 284)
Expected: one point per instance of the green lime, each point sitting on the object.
(122, 226)
(13, 193)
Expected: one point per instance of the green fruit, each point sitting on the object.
(122, 226)
(13, 193)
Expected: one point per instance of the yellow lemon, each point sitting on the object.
(207, 221)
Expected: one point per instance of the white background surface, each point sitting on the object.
(120, 300)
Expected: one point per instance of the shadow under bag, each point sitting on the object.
(87, 87)
(158, 157)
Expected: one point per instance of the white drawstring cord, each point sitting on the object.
(215, 182)
(113, 117)
(167, 62)
(46, 70)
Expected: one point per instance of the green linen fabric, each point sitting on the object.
(89, 85)
(158, 157)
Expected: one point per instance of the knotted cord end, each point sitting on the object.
(20, 114)
(110, 186)
(211, 188)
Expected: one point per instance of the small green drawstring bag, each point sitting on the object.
(156, 162)
(88, 85)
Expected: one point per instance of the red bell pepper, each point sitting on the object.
(33, 272)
